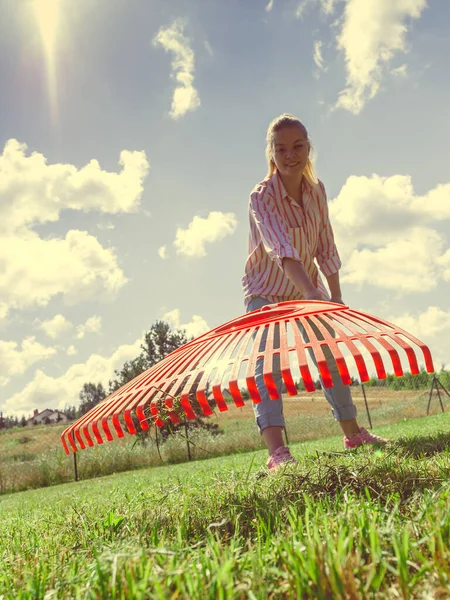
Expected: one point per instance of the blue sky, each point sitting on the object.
(94, 251)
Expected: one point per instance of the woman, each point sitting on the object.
(289, 228)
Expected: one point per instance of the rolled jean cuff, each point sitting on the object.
(267, 420)
(344, 413)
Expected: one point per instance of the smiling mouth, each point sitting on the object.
(293, 164)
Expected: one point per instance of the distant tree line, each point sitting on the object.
(422, 380)
(10, 422)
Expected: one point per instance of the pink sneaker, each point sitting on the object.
(281, 456)
(363, 437)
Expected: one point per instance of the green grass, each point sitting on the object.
(33, 457)
(374, 523)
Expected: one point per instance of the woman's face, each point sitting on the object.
(291, 150)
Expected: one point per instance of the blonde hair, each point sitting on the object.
(286, 120)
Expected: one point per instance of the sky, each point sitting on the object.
(132, 133)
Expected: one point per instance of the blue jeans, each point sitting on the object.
(268, 412)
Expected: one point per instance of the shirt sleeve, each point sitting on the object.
(273, 232)
(327, 255)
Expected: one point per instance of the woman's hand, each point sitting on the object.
(337, 300)
(314, 295)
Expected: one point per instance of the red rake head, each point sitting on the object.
(213, 361)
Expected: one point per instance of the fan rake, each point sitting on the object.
(213, 362)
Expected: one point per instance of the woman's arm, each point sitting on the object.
(297, 274)
(273, 231)
(300, 278)
(335, 288)
(327, 255)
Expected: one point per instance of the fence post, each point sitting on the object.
(435, 383)
(187, 440)
(75, 465)
(367, 406)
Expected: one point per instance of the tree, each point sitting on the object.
(159, 341)
(90, 396)
(129, 371)
(70, 412)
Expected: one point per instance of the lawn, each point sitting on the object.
(33, 457)
(374, 523)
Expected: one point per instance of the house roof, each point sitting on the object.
(46, 410)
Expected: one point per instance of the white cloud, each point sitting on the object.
(213, 228)
(15, 359)
(35, 270)
(431, 327)
(406, 264)
(105, 226)
(162, 252)
(55, 327)
(92, 325)
(194, 328)
(326, 6)
(373, 31)
(401, 71)
(318, 58)
(33, 193)
(374, 208)
(185, 96)
(71, 351)
(303, 7)
(57, 392)
(444, 262)
(384, 235)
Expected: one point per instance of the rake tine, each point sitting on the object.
(316, 347)
(268, 363)
(218, 356)
(301, 357)
(359, 359)
(334, 348)
(393, 354)
(255, 354)
(284, 361)
(233, 384)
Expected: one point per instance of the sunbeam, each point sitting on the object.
(47, 13)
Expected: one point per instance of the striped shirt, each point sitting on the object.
(281, 228)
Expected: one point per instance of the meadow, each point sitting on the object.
(33, 457)
(373, 523)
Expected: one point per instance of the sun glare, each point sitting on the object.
(47, 17)
(47, 14)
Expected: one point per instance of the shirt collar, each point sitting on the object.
(281, 194)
